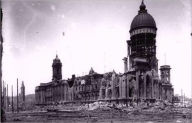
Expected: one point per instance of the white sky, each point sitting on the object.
(95, 36)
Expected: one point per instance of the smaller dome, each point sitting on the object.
(56, 60)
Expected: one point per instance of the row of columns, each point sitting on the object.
(146, 88)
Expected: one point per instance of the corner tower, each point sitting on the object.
(57, 65)
(142, 43)
(165, 74)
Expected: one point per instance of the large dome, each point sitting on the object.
(143, 19)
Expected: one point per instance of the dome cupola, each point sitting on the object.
(143, 22)
(57, 72)
(56, 60)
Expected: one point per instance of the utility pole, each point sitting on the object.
(17, 98)
(191, 66)
(7, 102)
(12, 98)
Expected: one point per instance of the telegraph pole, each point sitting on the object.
(17, 98)
(191, 66)
(12, 98)
(7, 102)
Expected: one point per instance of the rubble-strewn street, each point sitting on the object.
(100, 111)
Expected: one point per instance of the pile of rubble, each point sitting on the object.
(131, 108)
(95, 105)
(134, 107)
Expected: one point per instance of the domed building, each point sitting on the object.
(139, 82)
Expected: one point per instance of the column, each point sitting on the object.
(160, 91)
(157, 89)
(137, 84)
(65, 92)
(113, 85)
(125, 64)
(72, 93)
(152, 88)
(124, 87)
(62, 92)
(145, 79)
(41, 99)
(100, 93)
(106, 93)
(127, 86)
(58, 94)
(128, 55)
(120, 87)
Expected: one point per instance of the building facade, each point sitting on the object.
(139, 82)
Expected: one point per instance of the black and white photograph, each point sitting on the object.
(96, 61)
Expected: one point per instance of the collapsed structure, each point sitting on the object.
(139, 82)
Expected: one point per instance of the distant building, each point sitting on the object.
(22, 97)
(22, 94)
(139, 82)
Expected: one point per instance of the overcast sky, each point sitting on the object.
(89, 33)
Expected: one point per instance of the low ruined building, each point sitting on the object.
(139, 82)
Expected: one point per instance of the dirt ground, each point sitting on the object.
(113, 115)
